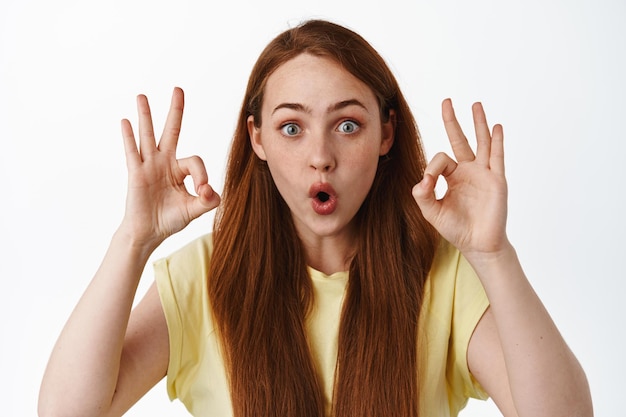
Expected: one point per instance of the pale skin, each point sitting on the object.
(107, 357)
(325, 129)
(516, 351)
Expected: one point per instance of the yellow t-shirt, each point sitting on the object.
(454, 302)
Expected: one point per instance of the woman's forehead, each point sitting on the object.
(315, 82)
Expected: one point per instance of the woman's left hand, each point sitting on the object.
(472, 213)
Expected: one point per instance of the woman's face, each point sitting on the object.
(321, 136)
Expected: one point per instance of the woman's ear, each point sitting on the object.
(255, 139)
(388, 132)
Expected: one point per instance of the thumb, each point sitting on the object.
(424, 195)
(206, 201)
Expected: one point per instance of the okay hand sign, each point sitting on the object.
(472, 213)
(158, 203)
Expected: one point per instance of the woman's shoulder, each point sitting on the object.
(445, 262)
(198, 248)
(193, 257)
(181, 276)
(451, 281)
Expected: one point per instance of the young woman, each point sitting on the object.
(334, 282)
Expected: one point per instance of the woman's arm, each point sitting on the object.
(105, 358)
(96, 369)
(516, 352)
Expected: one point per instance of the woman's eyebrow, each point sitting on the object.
(292, 106)
(345, 103)
(332, 108)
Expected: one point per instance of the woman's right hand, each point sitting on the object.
(158, 203)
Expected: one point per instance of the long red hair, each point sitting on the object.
(259, 287)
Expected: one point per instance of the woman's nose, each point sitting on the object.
(321, 154)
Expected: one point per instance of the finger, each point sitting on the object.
(496, 159)
(171, 132)
(424, 195)
(483, 136)
(194, 166)
(441, 164)
(461, 148)
(424, 191)
(208, 199)
(147, 143)
(130, 145)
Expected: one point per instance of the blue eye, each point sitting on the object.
(290, 129)
(348, 126)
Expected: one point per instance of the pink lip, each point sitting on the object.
(319, 206)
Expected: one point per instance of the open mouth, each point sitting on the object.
(323, 197)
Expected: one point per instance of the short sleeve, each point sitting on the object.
(454, 302)
(469, 304)
(181, 283)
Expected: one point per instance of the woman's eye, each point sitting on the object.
(290, 129)
(348, 126)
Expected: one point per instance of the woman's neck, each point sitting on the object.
(329, 254)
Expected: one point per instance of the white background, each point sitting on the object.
(551, 71)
